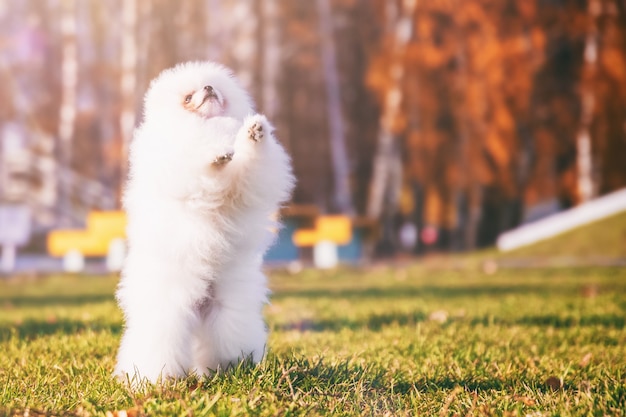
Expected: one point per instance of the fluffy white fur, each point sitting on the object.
(206, 178)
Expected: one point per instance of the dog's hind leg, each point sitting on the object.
(233, 328)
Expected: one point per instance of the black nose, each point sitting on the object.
(208, 88)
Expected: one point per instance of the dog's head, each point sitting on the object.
(196, 89)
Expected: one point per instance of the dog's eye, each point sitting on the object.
(187, 99)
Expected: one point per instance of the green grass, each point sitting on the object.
(405, 341)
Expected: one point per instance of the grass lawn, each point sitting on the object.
(406, 341)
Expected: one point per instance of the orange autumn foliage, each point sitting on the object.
(492, 100)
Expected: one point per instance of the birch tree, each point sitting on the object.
(128, 85)
(584, 155)
(67, 115)
(271, 58)
(342, 196)
(244, 25)
(213, 34)
(386, 178)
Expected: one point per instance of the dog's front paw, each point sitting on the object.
(223, 159)
(256, 131)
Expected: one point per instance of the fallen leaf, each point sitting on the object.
(555, 383)
(589, 291)
(585, 360)
(490, 267)
(440, 316)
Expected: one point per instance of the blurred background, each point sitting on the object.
(435, 125)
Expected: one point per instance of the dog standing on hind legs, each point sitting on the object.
(206, 176)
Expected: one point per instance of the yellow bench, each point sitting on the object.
(102, 228)
(336, 229)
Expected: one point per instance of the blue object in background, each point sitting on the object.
(353, 251)
(283, 250)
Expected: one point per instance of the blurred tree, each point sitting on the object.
(67, 115)
(388, 78)
(608, 127)
(585, 180)
(342, 196)
(128, 84)
(271, 56)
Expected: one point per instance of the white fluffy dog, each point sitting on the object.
(206, 177)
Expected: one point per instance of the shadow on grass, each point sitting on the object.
(55, 299)
(374, 322)
(553, 320)
(379, 321)
(320, 378)
(479, 384)
(427, 290)
(290, 375)
(425, 385)
(32, 329)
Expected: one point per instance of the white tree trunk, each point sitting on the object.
(584, 158)
(244, 50)
(387, 173)
(67, 116)
(342, 196)
(214, 36)
(128, 86)
(271, 59)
